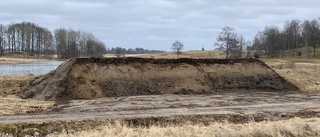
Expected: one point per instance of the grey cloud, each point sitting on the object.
(156, 24)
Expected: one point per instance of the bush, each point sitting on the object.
(256, 55)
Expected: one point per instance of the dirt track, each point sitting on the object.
(258, 105)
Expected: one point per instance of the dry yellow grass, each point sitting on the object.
(5, 60)
(304, 75)
(186, 54)
(16, 105)
(295, 127)
(10, 103)
(290, 60)
(11, 85)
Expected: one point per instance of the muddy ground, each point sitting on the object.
(236, 106)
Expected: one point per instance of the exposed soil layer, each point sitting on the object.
(87, 78)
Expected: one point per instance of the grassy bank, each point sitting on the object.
(306, 76)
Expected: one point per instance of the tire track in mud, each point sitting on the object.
(264, 105)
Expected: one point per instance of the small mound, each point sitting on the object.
(87, 78)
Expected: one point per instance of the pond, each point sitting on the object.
(35, 68)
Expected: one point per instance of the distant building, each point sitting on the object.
(202, 48)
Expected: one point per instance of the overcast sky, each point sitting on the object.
(156, 24)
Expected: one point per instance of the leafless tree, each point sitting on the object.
(269, 41)
(310, 33)
(177, 47)
(228, 41)
(292, 29)
(120, 52)
(32, 40)
(294, 36)
(2, 39)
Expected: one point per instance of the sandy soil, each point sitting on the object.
(236, 106)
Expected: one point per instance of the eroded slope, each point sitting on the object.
(86, 78)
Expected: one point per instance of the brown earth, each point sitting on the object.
(140, 111)
(88, 78)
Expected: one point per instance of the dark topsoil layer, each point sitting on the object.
(88, 78)
(130, 60)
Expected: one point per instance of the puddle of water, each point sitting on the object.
(36, 68)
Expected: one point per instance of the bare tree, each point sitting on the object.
(292, 29)
(29, 39)
(227, 40)
(310, 33)
(269, 40)
(242, 43)
(61, 42)
(26, 39)
(177, 47)
(2, 39)
(120, 52)
(71, 43)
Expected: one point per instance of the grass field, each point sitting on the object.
(14, 105)
(295, 127)
(305, 75)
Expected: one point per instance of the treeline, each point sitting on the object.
(29, 39)
(70, 43)
(132, 51)
(296, 34)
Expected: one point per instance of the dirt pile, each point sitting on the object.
(86, 78)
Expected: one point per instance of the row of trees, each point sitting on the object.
(295, 34)
(70, 43)
(30, 39)
(25, 37)
(296, 37)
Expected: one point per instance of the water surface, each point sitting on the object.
(36, 68)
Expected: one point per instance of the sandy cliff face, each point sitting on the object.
(86, 78)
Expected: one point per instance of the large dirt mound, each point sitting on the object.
(86, 78)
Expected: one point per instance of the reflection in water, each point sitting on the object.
(29, 68)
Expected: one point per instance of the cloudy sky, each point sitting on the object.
(156, 24)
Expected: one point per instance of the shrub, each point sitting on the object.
(256, 55)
